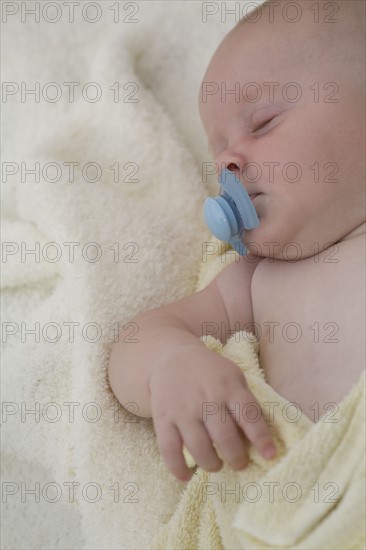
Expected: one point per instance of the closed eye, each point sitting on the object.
(263, 124)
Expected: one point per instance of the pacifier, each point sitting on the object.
(229, 214)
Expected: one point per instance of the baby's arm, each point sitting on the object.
(224, 303)
(169, 373)
(159, 332)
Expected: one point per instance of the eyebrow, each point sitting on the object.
(244, 101)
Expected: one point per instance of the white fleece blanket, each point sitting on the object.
(137, 245)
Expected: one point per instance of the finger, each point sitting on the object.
(226, 437)
(199, 444)
(250, 419)
(170, 446)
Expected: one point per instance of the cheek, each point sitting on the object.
(308, 156)
(333, 144)
(283, 220)
(280, 214)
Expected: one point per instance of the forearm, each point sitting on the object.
(158, 334)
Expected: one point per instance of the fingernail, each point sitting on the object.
(185, 477)
(270, 451)
(240, 464)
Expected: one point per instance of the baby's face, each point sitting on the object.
(295, 135)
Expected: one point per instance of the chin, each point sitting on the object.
(272, 246)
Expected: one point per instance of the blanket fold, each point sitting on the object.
(311, 495)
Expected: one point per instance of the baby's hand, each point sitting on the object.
(184, 387)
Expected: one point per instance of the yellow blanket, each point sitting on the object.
(311, 495)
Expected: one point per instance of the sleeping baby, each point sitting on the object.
(282, 104)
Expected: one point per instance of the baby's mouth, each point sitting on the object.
(255, 195)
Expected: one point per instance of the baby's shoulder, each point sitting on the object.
(234, 285)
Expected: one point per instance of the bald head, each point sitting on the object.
(328, 37)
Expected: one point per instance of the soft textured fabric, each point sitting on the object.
(105, 250)
(150, 234)
(311, 495)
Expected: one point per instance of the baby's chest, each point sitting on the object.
(310, 322)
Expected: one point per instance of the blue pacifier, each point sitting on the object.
(229, 214)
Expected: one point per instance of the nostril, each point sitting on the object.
(234, 168)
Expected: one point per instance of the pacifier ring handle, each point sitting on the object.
(229, 214)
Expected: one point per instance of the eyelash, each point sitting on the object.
(263, 124)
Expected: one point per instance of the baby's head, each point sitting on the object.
(294, 129)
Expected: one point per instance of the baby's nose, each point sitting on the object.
(232, 166)
(229, 160)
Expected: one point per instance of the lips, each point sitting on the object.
(253, 196)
